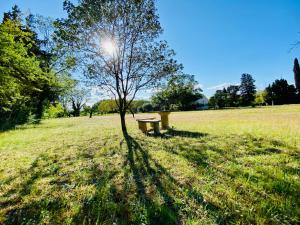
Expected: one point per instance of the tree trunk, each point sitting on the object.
(123, 123)
(39, 109)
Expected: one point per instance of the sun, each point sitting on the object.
(109, 47)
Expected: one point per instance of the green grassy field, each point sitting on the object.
(237, 166)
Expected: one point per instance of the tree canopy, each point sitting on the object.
(180, 93)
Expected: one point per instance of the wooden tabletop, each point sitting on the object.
(147, 120)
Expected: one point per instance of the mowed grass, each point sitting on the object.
(237, 166)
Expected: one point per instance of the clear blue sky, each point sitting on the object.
(218, 40)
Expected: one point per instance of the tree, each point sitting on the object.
(247, 89)
(21, 75)
(260, 97)
(219, 100)
(228, 97)
(280, 92)
(108, 106)
(233, 96)
(181, 92)
(90, 110)
(22, 51)
(55, 63)
(297, 75)
(78, 98)
(31, 75)
(147, 107)
(136, 105)
(118, 46)
(55, 58)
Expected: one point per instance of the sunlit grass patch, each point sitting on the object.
(215, 167)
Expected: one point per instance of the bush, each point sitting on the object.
(147, 107)
(54, 111)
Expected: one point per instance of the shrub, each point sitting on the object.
(147, 107)
(54, 111)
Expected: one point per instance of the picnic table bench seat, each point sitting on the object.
(154, 123)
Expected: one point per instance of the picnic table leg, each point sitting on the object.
(155, 128)
(152, 125)
(164, 119)
(143, 127)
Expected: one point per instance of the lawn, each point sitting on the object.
(237, 166)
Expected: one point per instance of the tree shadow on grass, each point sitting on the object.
(208, 156)
(183, 133)
(21, 210)
(150, 193)
(7, 125)
(28, 203)
(170, 133)
(148, 174)
(142, 170)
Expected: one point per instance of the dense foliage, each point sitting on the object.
(34, 77)
(110, 106)
(280, 92)
(26, 85)
(54, 110)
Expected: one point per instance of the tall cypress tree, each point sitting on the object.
(297, 74)
(247, 89)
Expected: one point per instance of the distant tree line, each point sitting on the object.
(245, 94)
(179, 93)
(107, 106)
(235, 95)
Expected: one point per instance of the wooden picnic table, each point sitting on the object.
(154, 123)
